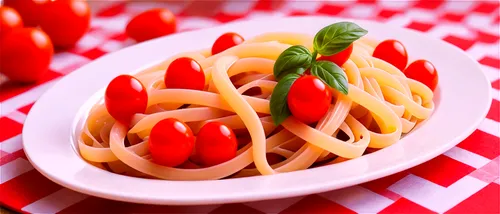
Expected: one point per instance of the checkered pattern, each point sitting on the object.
(464, 179)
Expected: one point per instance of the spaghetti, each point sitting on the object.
(382, 104)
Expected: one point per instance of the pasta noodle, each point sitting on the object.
(381, 106)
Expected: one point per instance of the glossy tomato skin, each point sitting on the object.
(226, 41)
(424, 72)
(393, 52)
(25, 54)
(171, 142)
(339, 58)
(185, 73)
(27, 9)
(9, 19)
(215, 144)
(125, 96)
(309, 99)
(65, 21)
(151, 24)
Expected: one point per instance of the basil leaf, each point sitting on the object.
(331, 74)
(278, 104)
(296, 56)
(337, 37)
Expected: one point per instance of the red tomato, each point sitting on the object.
(125, 97)
(339, 58)
(25, 54)
(424, 72)
(9, 19)
(185, 73)
(393, 52)
(309, 99)
(65, 21)
(151, 24)
(28, 9)
(226, 41)
(215, 143)
(171, 142)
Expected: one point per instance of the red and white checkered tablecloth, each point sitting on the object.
(465, 179)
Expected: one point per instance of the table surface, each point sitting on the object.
(464, 179)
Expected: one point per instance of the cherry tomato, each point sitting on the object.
(171, 142)
(9, 19)
(309, 99)
(28, 9)
(339, 58)
(393, 52)
(65, 21)
(215, 143)
(151, 24)
(125, 96)
(424, 72)
(185, 73)
(226, 41)
(25, 54)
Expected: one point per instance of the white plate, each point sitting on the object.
(462, 101)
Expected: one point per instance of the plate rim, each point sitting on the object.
(254, 197)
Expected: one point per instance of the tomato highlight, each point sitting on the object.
(28, 10)
(151, 24)
(171, 142)
(125, 96)
(216, 143)
(9, 20)
(226, 41)
(185, 73)
(309, 99)
(65, 21)
(25, 54)
(424, 72)
(393, 52)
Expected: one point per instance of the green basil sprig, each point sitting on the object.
(337, 37)
(295, 60)
(279, 105)
(332, 74)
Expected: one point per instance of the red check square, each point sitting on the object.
(420, 26)
(387, 13)
(330, 9)
(93, 53)
(487, 37)
(321, 205)
(429, 4)
(496, 84)
(464, 44)
(404, 205)
(26, 109)
(485, 200)
(21, 189)
(9, 128)
(486, 7)
(454, 17)
(494, 112)
(482, 143)
(490, 61)
(442, 170)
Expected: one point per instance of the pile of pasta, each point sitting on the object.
(382, 104)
